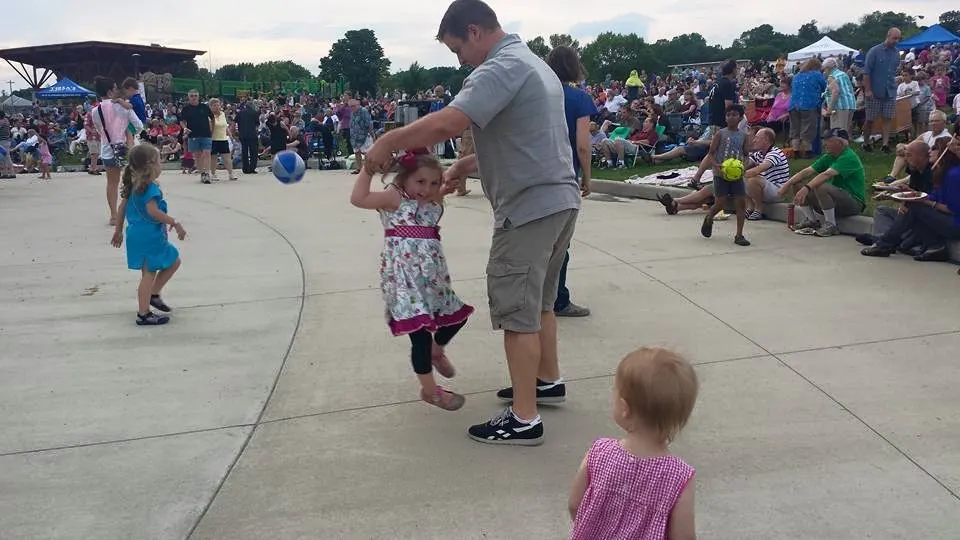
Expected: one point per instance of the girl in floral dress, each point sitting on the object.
(420, 301)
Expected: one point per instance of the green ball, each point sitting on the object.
(732, 169)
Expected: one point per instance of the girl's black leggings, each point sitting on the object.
(421, 346)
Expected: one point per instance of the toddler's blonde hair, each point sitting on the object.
(659, 387)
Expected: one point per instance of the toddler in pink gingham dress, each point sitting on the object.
(632, 489)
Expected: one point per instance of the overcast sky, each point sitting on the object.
(303, 30)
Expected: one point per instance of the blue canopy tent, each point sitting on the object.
(934, 35)
(64, 89)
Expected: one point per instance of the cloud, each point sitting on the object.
(512, 27)
(635, 23)
(303, 31)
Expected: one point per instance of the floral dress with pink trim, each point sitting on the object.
(413, 271)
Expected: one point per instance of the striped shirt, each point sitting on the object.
(779, 171)
(846, 101)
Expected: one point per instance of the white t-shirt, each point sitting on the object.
(956, 103)
(335, 119)
(929, 138)
(911, 88)
(660, 100)
(614, 103)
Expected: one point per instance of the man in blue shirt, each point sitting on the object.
(880, 88)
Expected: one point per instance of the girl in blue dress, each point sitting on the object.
(148, 249)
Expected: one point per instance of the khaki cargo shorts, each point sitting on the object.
(524, 270)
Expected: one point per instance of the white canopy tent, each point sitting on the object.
(16, 102)
(826, 47)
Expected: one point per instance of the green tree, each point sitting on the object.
(809, 32)
(617, 54)
(539, 46)
(237, 72)
(566, 40)
(187, 69)
(951, 21)
(415, 79)
(357, 58)
(281, 70)
(845, 34)
(873, 28)
(686, 48)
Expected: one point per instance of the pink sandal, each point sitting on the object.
(445, 399)
(443, 366)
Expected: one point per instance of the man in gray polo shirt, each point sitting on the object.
(880, 88)
(513, 102)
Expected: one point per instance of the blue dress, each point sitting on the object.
(146, 238)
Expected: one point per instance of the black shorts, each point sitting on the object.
(696, 152)
(722, 188)
(220, 147)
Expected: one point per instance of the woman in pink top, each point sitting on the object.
(111, 118)
(780, 111)
(632, 489)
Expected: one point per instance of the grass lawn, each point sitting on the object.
(876, 164)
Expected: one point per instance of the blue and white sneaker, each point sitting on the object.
(506, 428)
(548, 393)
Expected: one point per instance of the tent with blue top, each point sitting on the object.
(935, 35)
(64, 89)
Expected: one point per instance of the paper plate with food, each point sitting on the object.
(909, 196)
(883, 186)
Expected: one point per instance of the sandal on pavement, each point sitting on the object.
(444, 399)
(158, 303)
(151, 319)
(668, 203)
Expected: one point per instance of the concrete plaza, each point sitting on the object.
(275, 405)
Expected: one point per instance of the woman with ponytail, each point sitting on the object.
(148, 249)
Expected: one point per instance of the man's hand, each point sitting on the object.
(452, 186)
(117, 239)
(584, 187)
(801, 196)
(378, 158)
(782, 191)
(453, 180)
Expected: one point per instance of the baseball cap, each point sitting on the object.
(837, 132)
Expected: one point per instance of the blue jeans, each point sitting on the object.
(563, 293)
(199, 144)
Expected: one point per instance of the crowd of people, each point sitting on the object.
(668, 111)
(244, 129)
